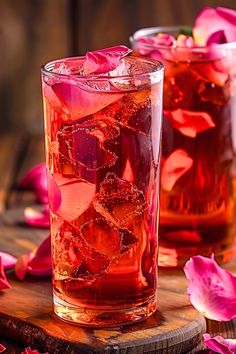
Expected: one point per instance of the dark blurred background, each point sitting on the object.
(33, 32)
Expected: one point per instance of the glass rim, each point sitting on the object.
(148, 31)
(159, 68)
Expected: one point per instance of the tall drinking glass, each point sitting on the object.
(197, 212)
(103, 158)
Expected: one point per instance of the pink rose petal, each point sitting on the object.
(75, 198)
(54, 194)
(219, 344)
(22, 265)
(104, 60)
(81, 101)
(2, 348)
(215, 26)
(211, 289)
(151, 45)
(190, 123)
(4, 283)
(37, 218)
(185, 41)
(30, 351)
(8, 260)
(36, 181)
(40, 264)
(176, 164)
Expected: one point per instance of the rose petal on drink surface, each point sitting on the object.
(2, 348)
(22, 265)
(211, 289)
(36, 180)
(119, 201)
(146, 45)
(75, 199)
(189, 123)
(219, 344)
(81, 101)
(176, 164)
(37, 218)
(4, 283)
(8, 260)
(211, 21)
(185, 41)
(82, 148)
(40, 264)
(104, 60)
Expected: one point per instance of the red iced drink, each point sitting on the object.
(197, 209)
(103, 151)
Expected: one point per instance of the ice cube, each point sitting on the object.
(106, 238)
(119, 201)
(77, 257)
(83, 147)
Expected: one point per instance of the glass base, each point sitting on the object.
(107, 318)
(176, 258)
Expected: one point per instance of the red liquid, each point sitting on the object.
(197, 214)
(197, 205)
(103, 190)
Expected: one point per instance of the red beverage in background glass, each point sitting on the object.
(103, 153)
(197, 210)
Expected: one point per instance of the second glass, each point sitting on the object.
(197, 212)
(103, 158)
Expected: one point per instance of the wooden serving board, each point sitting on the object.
(26, 314)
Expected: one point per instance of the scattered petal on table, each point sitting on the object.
(211, 289)
(37, 218)
(2, 348)
(4, 284)
(31, 351)
(190, 123)
(176, 164)
(8, 260)
(22, 265)
(215, 26)
(104, 60)
(220, 344)
(36, 181)
(40, 264)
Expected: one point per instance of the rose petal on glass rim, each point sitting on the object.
(22, 265)
(8, 260)
(189, 123)
(75, 199)
(37, 218)
(4, 283)
(81, 101)
(104, 60)
(210, 21)
(41, 264)
(2, 348)
(219, 344)
(176, 164)
(36, 180)
(211, 289)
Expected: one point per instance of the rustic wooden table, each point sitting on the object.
(26, 317)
